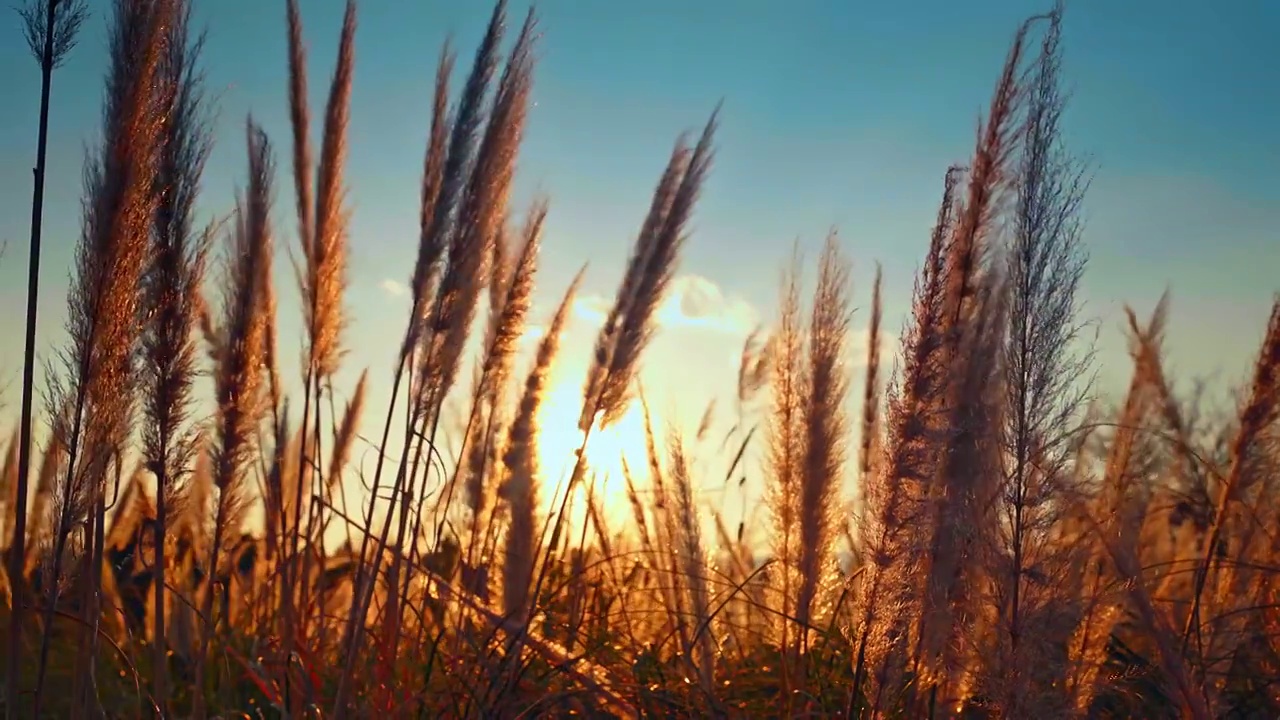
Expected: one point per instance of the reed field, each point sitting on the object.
(180, 538)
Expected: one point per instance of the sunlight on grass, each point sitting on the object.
(1013, 556)
(560, 438)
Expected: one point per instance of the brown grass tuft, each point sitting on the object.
(520, 486)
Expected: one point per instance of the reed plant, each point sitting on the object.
(1015, 548)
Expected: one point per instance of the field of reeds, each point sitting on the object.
(1020, 547)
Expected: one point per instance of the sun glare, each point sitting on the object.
(559, 438)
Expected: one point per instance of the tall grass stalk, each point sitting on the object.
(239, 377)
(440, 200)
(172, 288)
(51, 28)
(93, 414)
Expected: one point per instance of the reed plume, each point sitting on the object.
(325, 251)
(50, 28)
(447, 171)
(660, 207)
(481, 211)
(171, 289)
(46, 481)
(689, 562)
(344, 438)
(1258, 413)
(239, 370)
(519, 487)
(92, 403)
(1046, 376)
(825, 424)
(894, 495)
(955, 493)
(630, 323)
(435, 193)
(345, 435)
(300, 124)
(480, 214)
(446, 175)
(786, 439)
(807, 424)
(989, 179)
(512, 299)
(1121, 503)
(322, 279)
(965, 518)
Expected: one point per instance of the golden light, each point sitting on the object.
(559, 438)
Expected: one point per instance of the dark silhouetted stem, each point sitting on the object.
(17, 552)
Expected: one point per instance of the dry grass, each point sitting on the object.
(1013, 556)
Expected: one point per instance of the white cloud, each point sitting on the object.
(691, 301)
(695, 301)
(393, 288)
(592, 308)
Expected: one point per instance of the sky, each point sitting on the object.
(836, 114)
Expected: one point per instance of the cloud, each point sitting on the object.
(691, 301)
(393, 288)
(695, 301)
(592, 308)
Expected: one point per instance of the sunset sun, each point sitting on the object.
(607, 448)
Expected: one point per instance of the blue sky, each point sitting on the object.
(836, 113)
